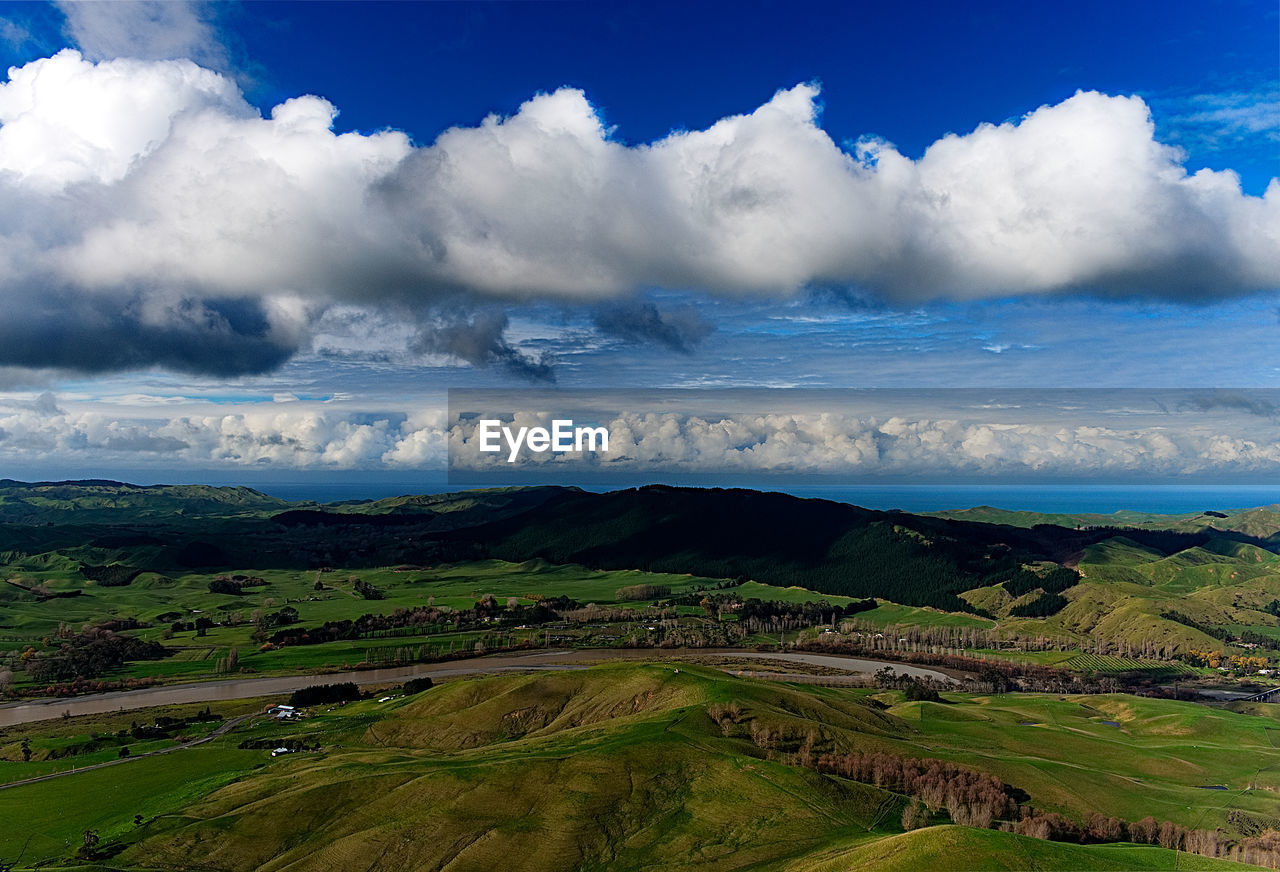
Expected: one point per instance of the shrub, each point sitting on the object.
(419, 684)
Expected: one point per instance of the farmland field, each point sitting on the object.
(643, 764)
(1022, 641)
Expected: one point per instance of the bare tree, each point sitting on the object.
(915, 815)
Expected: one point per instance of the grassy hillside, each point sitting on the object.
(1260, 523)
(989, 851)
(90, 501)
(617, 768)
(1128, 590)
(637, 766)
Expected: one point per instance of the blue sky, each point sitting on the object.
(205, 277)
(909, 73)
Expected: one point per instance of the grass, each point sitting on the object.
(1127, 586)
(1125, 593)
(456, 586)
(1107, 663)
(887, 613)
(621, 767)
(1156, 760)
(788, 594)
(613, 768)
(944, 847)
(1038, 658)
(90, 739)
(55, 814)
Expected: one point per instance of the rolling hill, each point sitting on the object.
(1131, 580)
(645, 766)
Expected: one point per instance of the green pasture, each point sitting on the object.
(951, 847)
(887, 613)
(622, 766)
(48, 819)
(1160, 757)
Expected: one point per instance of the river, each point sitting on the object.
(28, 711)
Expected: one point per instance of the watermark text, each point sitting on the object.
(562, 438)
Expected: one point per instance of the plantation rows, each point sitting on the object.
(1109, 663)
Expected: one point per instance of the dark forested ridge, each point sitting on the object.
(779, 539)
(116, 530)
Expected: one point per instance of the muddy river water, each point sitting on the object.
(27, 711)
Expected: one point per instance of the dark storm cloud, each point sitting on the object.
(94, 335)
(479, 339)
(679, 329)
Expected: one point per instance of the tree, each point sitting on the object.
(26, 750)
(417, 685)
(318, 694)
(998, 681)
(124, 751)
(224, 585)
(370, 592)
(1105, 829)
(1145, 831)
(915, 815)
(918, 691)
(1169, 835)
(202, 625)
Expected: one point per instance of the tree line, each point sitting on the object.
(977, 799)
(88, 654)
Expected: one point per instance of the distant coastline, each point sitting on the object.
(1067, 498)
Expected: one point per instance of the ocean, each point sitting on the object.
(1068, 498)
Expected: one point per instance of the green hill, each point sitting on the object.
(777, 539)
(990, 851)
(617, 768)
(98, 501)
(1260, 523)
(1119, 551)
(652, 766)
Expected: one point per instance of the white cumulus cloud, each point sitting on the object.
(146, 29)
(157, 219)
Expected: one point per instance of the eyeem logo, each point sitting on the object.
(562, 438)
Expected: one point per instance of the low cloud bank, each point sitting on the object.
(1173, 434)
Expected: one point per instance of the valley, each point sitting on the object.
(653, 678)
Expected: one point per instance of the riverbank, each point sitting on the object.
(29, 711)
